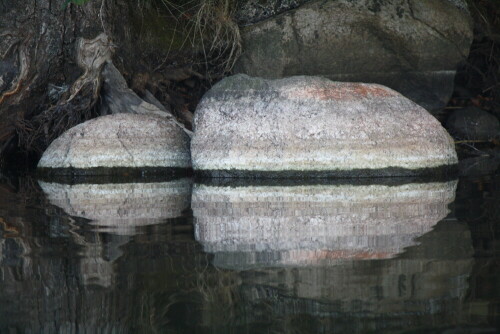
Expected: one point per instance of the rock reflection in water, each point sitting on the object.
(120, 207)
(59, 276)
(425, 287)
(314, 224)
(50, 291)
(160, 281)
(338, 258)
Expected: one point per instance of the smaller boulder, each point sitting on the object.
(473, 124)
(118, 141)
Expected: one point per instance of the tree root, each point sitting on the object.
(37, 133)
(24, 70)
(101, 81)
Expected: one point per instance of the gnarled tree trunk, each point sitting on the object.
(50, 78)
(38, 55)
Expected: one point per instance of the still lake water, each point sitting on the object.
(180, 256)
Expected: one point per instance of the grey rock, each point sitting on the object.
(314, 124)
(411, 46)
(120, 140)
(315, 224)
(473, 124)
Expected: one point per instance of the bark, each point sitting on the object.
(38, 45)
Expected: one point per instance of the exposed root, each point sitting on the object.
(37, 133)
(24, 70)
(118, 98)
(79, 104)
(92, 56)
(12, 92)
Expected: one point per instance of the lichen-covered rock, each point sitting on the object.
(411, 46)
(314, 224)
(121, 206)
(120, 140)
(311, 124)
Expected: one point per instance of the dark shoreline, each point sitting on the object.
(386, 176)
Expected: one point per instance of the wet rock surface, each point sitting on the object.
(472, 123)
(121, 140)
(412, 46)
(314, 125)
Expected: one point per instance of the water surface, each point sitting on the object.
(179, 256)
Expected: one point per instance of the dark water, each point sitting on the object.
(182, 257)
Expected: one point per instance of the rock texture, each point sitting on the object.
(121, 206)
(120, 140)
(314, 224)
(411, 46)
(473, 124)
(315, 125)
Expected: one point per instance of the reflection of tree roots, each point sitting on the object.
(218, 290)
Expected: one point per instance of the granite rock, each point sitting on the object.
(312, 124)
(120, 140)
(411, 46)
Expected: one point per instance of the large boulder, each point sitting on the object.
(411, 46)
(118, 141)
(297, 125)
(270, 225)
